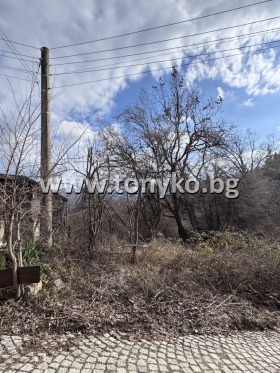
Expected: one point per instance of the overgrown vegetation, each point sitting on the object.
(2, 260)
(216, 282)
(32, 253)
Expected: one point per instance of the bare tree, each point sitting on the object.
(128, 159)
(20, 193)
(243, 153)
(241, 157)
(18, 136)
(172, 127)
(92, 167)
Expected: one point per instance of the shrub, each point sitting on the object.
(236, 263)
(2, 260)
(32, 253)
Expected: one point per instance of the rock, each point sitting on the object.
(59, 284)
(33, 289)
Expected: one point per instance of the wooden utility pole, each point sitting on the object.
(46, 206)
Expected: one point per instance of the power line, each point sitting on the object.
(14, 77)
(183, 47)
(15, 42)
(13, 68)
(167, 68)
(15, 58)
(162, 26)
(103, 68)
(13, 48)
(18, 54)
(165, 40)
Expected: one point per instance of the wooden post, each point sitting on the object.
(46, 206)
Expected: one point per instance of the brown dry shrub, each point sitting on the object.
(212, 284)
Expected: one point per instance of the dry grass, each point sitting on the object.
(217, 283)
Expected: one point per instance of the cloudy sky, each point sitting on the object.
(210, 49)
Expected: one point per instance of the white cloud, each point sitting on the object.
(249, 102)
(55, 23)
(75, 130)
(258, 74)
(221, 92)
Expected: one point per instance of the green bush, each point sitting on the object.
(2, 260)
(32, 253)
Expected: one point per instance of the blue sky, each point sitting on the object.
(249, 84)
(258, 113)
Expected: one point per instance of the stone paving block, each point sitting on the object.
(243, 352)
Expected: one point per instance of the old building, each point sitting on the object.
(27, 196)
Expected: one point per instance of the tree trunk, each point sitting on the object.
(21, 290)
(9, 233)
(136, 227)
(183, 234)
(91, 229)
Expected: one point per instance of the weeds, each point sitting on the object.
(2, 260)
(32, 253)
(217, 282)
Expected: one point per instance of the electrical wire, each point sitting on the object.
(14, 77)
(162, 26)
(183, 47)
(13, 68)
(165, 40)
(103, 68)
(166, 68)
(11, 46)
(18, 54)
(15, 58)
(15, 42)
(110, 67)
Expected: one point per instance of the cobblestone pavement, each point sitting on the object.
(243, 352)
